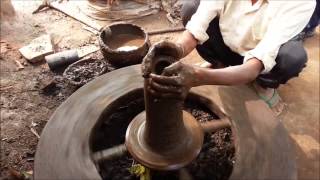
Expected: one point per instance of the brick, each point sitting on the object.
(38, 49)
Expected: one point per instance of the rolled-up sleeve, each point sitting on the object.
(290, 20)
(199, 22)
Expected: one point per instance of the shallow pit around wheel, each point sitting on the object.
(215, 160)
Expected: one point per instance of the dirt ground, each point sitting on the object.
(25, 106)
(301, 117)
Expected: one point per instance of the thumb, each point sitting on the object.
(173, 69)
(147, 63)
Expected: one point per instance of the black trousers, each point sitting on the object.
(291, 58)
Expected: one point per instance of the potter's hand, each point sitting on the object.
(111, 2)
(175, 81)
(163, 48)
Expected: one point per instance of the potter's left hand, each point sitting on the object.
(163, 48)
(175, 81)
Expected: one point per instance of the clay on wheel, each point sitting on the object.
(263, 148)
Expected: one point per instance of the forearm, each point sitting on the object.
(187, 42)
(233, 75)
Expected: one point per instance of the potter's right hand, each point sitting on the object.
(163, 48)
(175, 81)
(111, 2)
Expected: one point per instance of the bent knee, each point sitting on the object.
(292, 57)
(189, 7)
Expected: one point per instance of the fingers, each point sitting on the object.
(166, 80)
(147, 63)
(165, 89)
(110, 2)
(173, 69)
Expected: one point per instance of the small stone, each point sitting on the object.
(30, 153)
(25, 63)
(10, 140)
(30, 159)
(47, 84)
(37, 49)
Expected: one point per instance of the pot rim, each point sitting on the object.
(105, 47)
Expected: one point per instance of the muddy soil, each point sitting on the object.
(25, 105)
(215, 160)
(28, 98)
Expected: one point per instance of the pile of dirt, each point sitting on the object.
(215, 160)
(28, 98)
(81, 72)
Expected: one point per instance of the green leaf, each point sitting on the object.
(140, 171)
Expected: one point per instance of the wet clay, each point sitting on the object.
(215, 160)
(125, 40)
(267, 152)
(168, 137)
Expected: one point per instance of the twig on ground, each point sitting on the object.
(162, 31)
(44, 4)
(35, 132)
(5, 88)
(19, 65)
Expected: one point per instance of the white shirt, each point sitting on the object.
(253, 31)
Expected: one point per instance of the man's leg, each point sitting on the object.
(291, 59)
(309, 30)
(214, 50)
(315, 19)
(189, 7)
